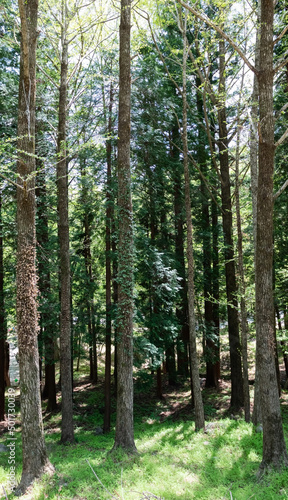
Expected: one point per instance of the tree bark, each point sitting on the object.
(67, 430)
(243, 311)
(182, 309)
(89, 274)
(124, 437)
(199, 409)
(46, 315)
(237, 398)
(211, 347)
(256, 415)
(109, 214)
(35, 461)
(274, 448)
(215, 264)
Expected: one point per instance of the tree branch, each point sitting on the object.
(210, 23)
(281, 35)
(49, 77)
(280, 191)
(280, 66)
(282, 138)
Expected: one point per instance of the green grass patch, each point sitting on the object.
(173, 461)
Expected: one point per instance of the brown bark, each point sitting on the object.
(215, 265)
(46, 323)
(196, 389)
(89, 275)
(115, 297)
(109, 215)
(124, 437)
(171, 363)
(274, 448)
(182, 309)
(67, 430)
(256, 415)
(237, 398)
(243, 311)
(35, 460)
(159, 392)
(211, 348)
(215, 281)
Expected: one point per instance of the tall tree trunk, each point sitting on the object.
(115, 296)
(199, 409)
(237, 398)
(109, 215)
(215, 266)
(243, 311)
(46, 315)
(256, 415)
(124, 437)
(89, 275)
(67, 430)
(182, 309)
(215, 283)
(210, 346)
(35, 460)
(274, 448)
(3, 332)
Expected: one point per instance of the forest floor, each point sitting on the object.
(173, 462)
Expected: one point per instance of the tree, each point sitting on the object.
(67, 435)
(197, 396)
(35, 460)
(274, 448)
(47, 316)
(109, 216)
(71, 32)
(230, 273)
(124, 437)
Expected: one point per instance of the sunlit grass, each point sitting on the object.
(173, 461)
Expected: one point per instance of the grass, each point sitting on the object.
(173, 461)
